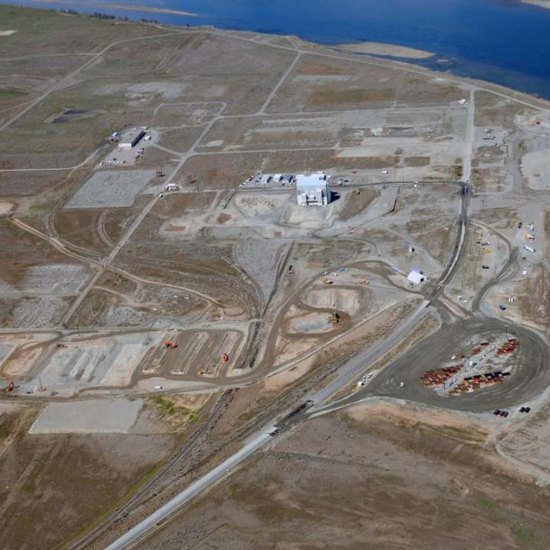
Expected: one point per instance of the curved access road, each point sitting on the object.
(530, 368)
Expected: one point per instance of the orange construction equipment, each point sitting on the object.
(170, 345)
(225, 358)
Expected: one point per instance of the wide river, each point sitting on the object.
(502, 41)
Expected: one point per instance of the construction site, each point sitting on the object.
(484, 366)
(240, 247)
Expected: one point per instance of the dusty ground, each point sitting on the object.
(103, 263)
(46, 476)
(530, 371)
(213, 252)
(348, 477)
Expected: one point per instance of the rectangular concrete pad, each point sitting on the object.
(111, 189)
(5, 350)
(89, 416)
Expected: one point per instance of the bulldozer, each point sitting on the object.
(335, 319)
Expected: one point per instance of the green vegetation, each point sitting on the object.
(114, 503)
(7, 425)
(358, 202)
(77, 32)
(524, 536)
(417, 161)
(456, 172)
(170, 411)
(486, 503)
(360, 95)
(7, 94)
(258, 499)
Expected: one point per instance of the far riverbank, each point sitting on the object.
(502, 41)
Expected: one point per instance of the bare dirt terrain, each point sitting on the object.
(46, 476)
(379, 475)
(174, 285)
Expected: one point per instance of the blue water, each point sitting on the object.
(503, 41)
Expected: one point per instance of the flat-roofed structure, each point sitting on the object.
(312, 190)
(131, 138)
(416, 277)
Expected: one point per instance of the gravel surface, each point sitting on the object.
(530, 368)
(37, 312)
(259, 258)
(54, 278)
(111, 189)
(93, 416)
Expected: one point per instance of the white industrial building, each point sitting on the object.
(312, 190)
(131, 138)
(416, 277)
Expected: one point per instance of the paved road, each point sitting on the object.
(461, 237)
(59, 83)
(280, 83)
(348, 372)
(360, 363)
(469, 141)
(530, 373)
(211, 478)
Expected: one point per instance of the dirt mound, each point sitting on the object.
(311, 323)
(341, 299)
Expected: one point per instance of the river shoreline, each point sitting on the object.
(481, 58)
(385, 49)
(540, 3)
(118, 6)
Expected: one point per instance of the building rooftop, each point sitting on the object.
(312, 180)
(416, 276)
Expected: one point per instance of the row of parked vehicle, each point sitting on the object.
(504, 414)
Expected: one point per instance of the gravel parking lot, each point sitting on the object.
(110, 188)
(93, 416)
(530, 371)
